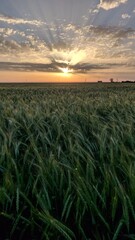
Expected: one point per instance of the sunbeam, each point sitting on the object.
(48, 36)
(66, 70)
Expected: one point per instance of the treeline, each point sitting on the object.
(128, 81)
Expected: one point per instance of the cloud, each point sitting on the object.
(53, 67)
(110, 4)
(16, 21)
(113, 32)
(125, 15)
(31, 50)
(26, 67)
(80, 47)
(5, 32)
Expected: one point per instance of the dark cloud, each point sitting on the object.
(6, 45)
(28, 67)
(114, 31)
(53, 67)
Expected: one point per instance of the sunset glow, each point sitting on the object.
(66, 71)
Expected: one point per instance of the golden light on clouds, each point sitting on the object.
(86, 40)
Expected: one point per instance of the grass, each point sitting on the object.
(67, 162)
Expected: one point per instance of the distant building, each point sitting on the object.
(100, 81)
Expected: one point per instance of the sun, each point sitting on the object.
(66, 71)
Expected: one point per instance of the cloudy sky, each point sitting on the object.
(67, 40)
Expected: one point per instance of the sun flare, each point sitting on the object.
(66, 70)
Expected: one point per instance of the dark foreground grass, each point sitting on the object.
(67, 162)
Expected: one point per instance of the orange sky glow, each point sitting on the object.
(13, 76)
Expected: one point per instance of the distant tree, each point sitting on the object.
(111, 80)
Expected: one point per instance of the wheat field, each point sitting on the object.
(67, 161)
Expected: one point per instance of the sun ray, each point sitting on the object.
(66, 70)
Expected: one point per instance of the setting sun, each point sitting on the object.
(66, 71)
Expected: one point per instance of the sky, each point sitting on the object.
(67, 40)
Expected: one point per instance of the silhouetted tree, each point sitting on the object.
(111, 80)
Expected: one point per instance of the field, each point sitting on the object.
(67, 161)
